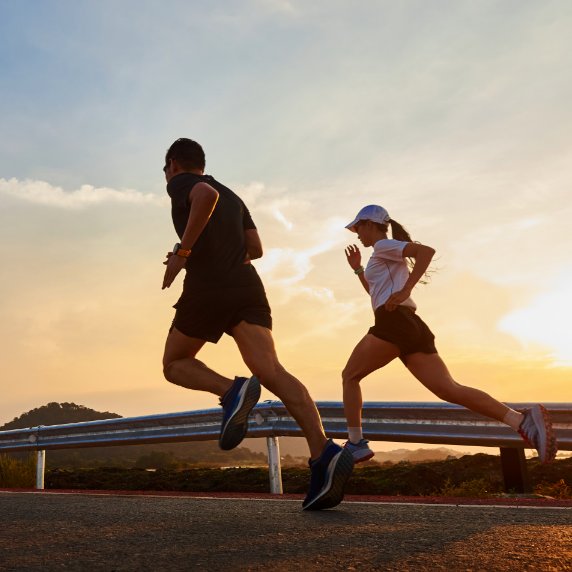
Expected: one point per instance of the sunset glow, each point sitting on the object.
(458, 125)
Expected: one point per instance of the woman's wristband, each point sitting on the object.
(359, 270)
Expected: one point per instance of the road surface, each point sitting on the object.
(84, 532)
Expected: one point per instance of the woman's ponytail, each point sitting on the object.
(398, 232)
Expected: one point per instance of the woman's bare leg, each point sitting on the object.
(370, 354)
(432, 372)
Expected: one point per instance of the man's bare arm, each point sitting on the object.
(203, 199)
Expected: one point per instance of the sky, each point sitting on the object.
(454, 115)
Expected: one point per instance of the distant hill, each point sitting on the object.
(57, 414)
(296, 447)
(417, 455)
(144, 456)
(293, 446)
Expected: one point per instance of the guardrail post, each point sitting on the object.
(514, 470)
(40, 466)
(274, 465)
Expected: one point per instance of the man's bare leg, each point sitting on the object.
(258, 352)
(181, 367)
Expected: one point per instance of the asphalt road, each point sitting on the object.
(93, 532)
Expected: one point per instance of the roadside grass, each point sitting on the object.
(559, 490)
(17, 473)
(475, 488)
(477, 476)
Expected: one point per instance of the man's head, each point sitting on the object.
(184, 156)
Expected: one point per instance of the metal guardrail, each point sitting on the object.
(413, 422)
(434, 423)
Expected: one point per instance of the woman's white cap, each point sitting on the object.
(374, 213)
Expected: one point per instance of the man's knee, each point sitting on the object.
(268, 370)
(277, 379)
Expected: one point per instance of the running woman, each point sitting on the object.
(399, 332)
(222, 293)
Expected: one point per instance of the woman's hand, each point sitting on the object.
(396, 298)
(353, 256)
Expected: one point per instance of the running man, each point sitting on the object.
(222, 293)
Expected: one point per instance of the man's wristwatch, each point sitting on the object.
(181, 251)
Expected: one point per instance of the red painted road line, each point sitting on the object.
(503, 501)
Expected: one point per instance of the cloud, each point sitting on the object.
(251, 192)
(279, 216)
(278, 6)
(266, 200)
(43, 193)
(285, 266)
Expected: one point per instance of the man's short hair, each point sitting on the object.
(188, 153)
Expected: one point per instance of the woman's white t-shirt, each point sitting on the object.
(386, 272)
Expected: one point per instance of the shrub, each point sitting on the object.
(17, 473)
(558, 490)
(472, 488)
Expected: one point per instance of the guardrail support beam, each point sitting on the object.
(274, 465)
(514, 470)
(40, 467)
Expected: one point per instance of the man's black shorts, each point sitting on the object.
(208, 314)
(404, 328)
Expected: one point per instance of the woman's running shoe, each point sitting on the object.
(360, 451)
(536, 430)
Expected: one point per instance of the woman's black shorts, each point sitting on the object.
(208, 314)
(404, 328)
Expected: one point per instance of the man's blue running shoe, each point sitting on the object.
(237, 403)
(360, 451)
(330, 473)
